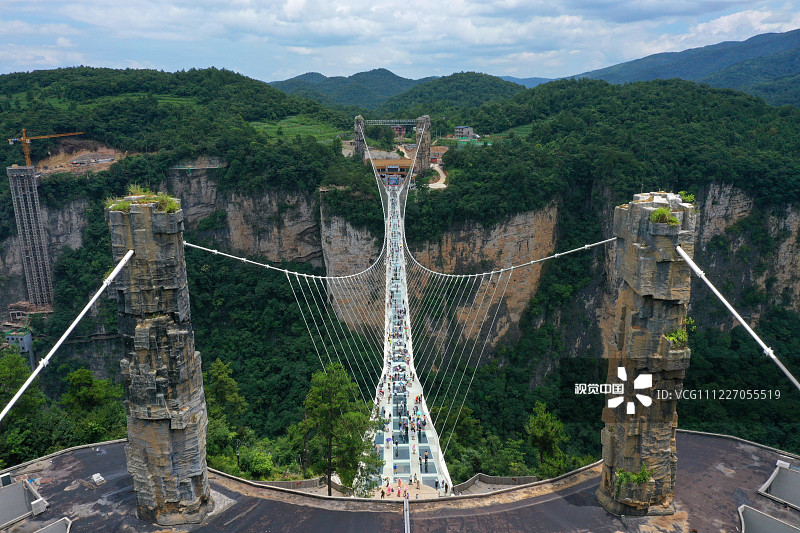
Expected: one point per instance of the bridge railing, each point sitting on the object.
(495, 480)
(392, 122)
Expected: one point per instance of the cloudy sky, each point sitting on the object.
(277, 39)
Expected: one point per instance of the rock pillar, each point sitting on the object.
(648, 354)
(359, 142)
(165, 403)
(423, 143)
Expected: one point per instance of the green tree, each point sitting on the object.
(16, 429)
(14, 370)
(84, 393)
(545, 431)
(94, 407)
(337, 423)
(258, 462)
(222, 392)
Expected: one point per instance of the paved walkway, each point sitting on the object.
(715, 476)
(440, 183)
(408, 443)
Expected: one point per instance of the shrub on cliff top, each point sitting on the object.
(663, 215)
(163, 201)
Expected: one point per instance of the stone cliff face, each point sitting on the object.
(720, 208)
(281, 225)
(63, 227)
(347, 250)
(476, 248)
(276, 225)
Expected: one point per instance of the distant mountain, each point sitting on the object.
(775, 78)
(696, 63)
(766, 65)
(364, 89)
(463, 89)
(527, 82)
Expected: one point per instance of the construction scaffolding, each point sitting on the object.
(32, 238)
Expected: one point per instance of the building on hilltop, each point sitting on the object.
(22, 338)
(464, 131)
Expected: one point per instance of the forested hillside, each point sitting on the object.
(446, 96)
(775, 78)
(364, 89)
(765, 65)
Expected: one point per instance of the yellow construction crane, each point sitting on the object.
(26, 141)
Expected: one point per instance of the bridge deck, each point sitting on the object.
(409, 444)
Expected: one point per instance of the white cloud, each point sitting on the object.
(19, 28)
(302, 50)
(18, 57)
(745, 24)
(272, 37)
(734, 27)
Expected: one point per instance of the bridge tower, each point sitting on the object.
(423, 143)
(359, 142)
(164, 401)
(32, 238)
(639, 433)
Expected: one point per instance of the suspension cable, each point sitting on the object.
(313, 342)
(43, 363)
(475, 369)
(507, 269)
(767, 350)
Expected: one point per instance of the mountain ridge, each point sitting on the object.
(765, 65)
(367, 89)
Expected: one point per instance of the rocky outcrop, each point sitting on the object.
(164, 400)
(468, 248)
(474, 247)
(276, 225)
(639, 433)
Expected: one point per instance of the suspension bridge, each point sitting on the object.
(411, 338)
